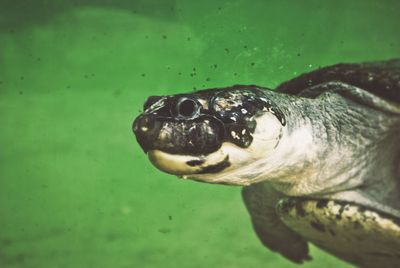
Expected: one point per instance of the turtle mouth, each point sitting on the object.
(189, 164)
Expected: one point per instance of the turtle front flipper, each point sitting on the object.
(260, 200)
(362, 236)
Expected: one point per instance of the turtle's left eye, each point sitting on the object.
(187, 108)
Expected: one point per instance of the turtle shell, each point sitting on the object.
(381, 78)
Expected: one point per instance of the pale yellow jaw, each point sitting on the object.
(178, 164)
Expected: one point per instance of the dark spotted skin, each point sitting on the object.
(342, 227)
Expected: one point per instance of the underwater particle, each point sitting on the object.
(86, 76)
(21, 257)
(235, 74)
(38, 59)
(126, 210)
(194, 69)
(117, 92)
(143, 74)
(298, 54)
(170, 217)
(146, 36)
(164, 36)
(164, 230)
(68, 86)
(21, 92)
(219, 8)
(208, 79)
(226, 50)
(180, 73)
(252, 64)
(6, 242)
(111, 237)
(245, 47)
(22, 78)
(188, 38)
(194, 88)
(215, 66)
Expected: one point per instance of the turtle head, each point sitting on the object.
(210, 135)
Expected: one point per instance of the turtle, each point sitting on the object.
(318, 157)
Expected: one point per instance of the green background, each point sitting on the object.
(75, 188)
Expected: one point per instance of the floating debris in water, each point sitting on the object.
(164, 230)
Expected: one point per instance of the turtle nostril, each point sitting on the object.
(143, 125)
(146, 124)
(146, 130)
(187, 108)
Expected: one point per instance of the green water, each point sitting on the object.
(75, 188)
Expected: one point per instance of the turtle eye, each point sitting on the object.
(187, 108)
